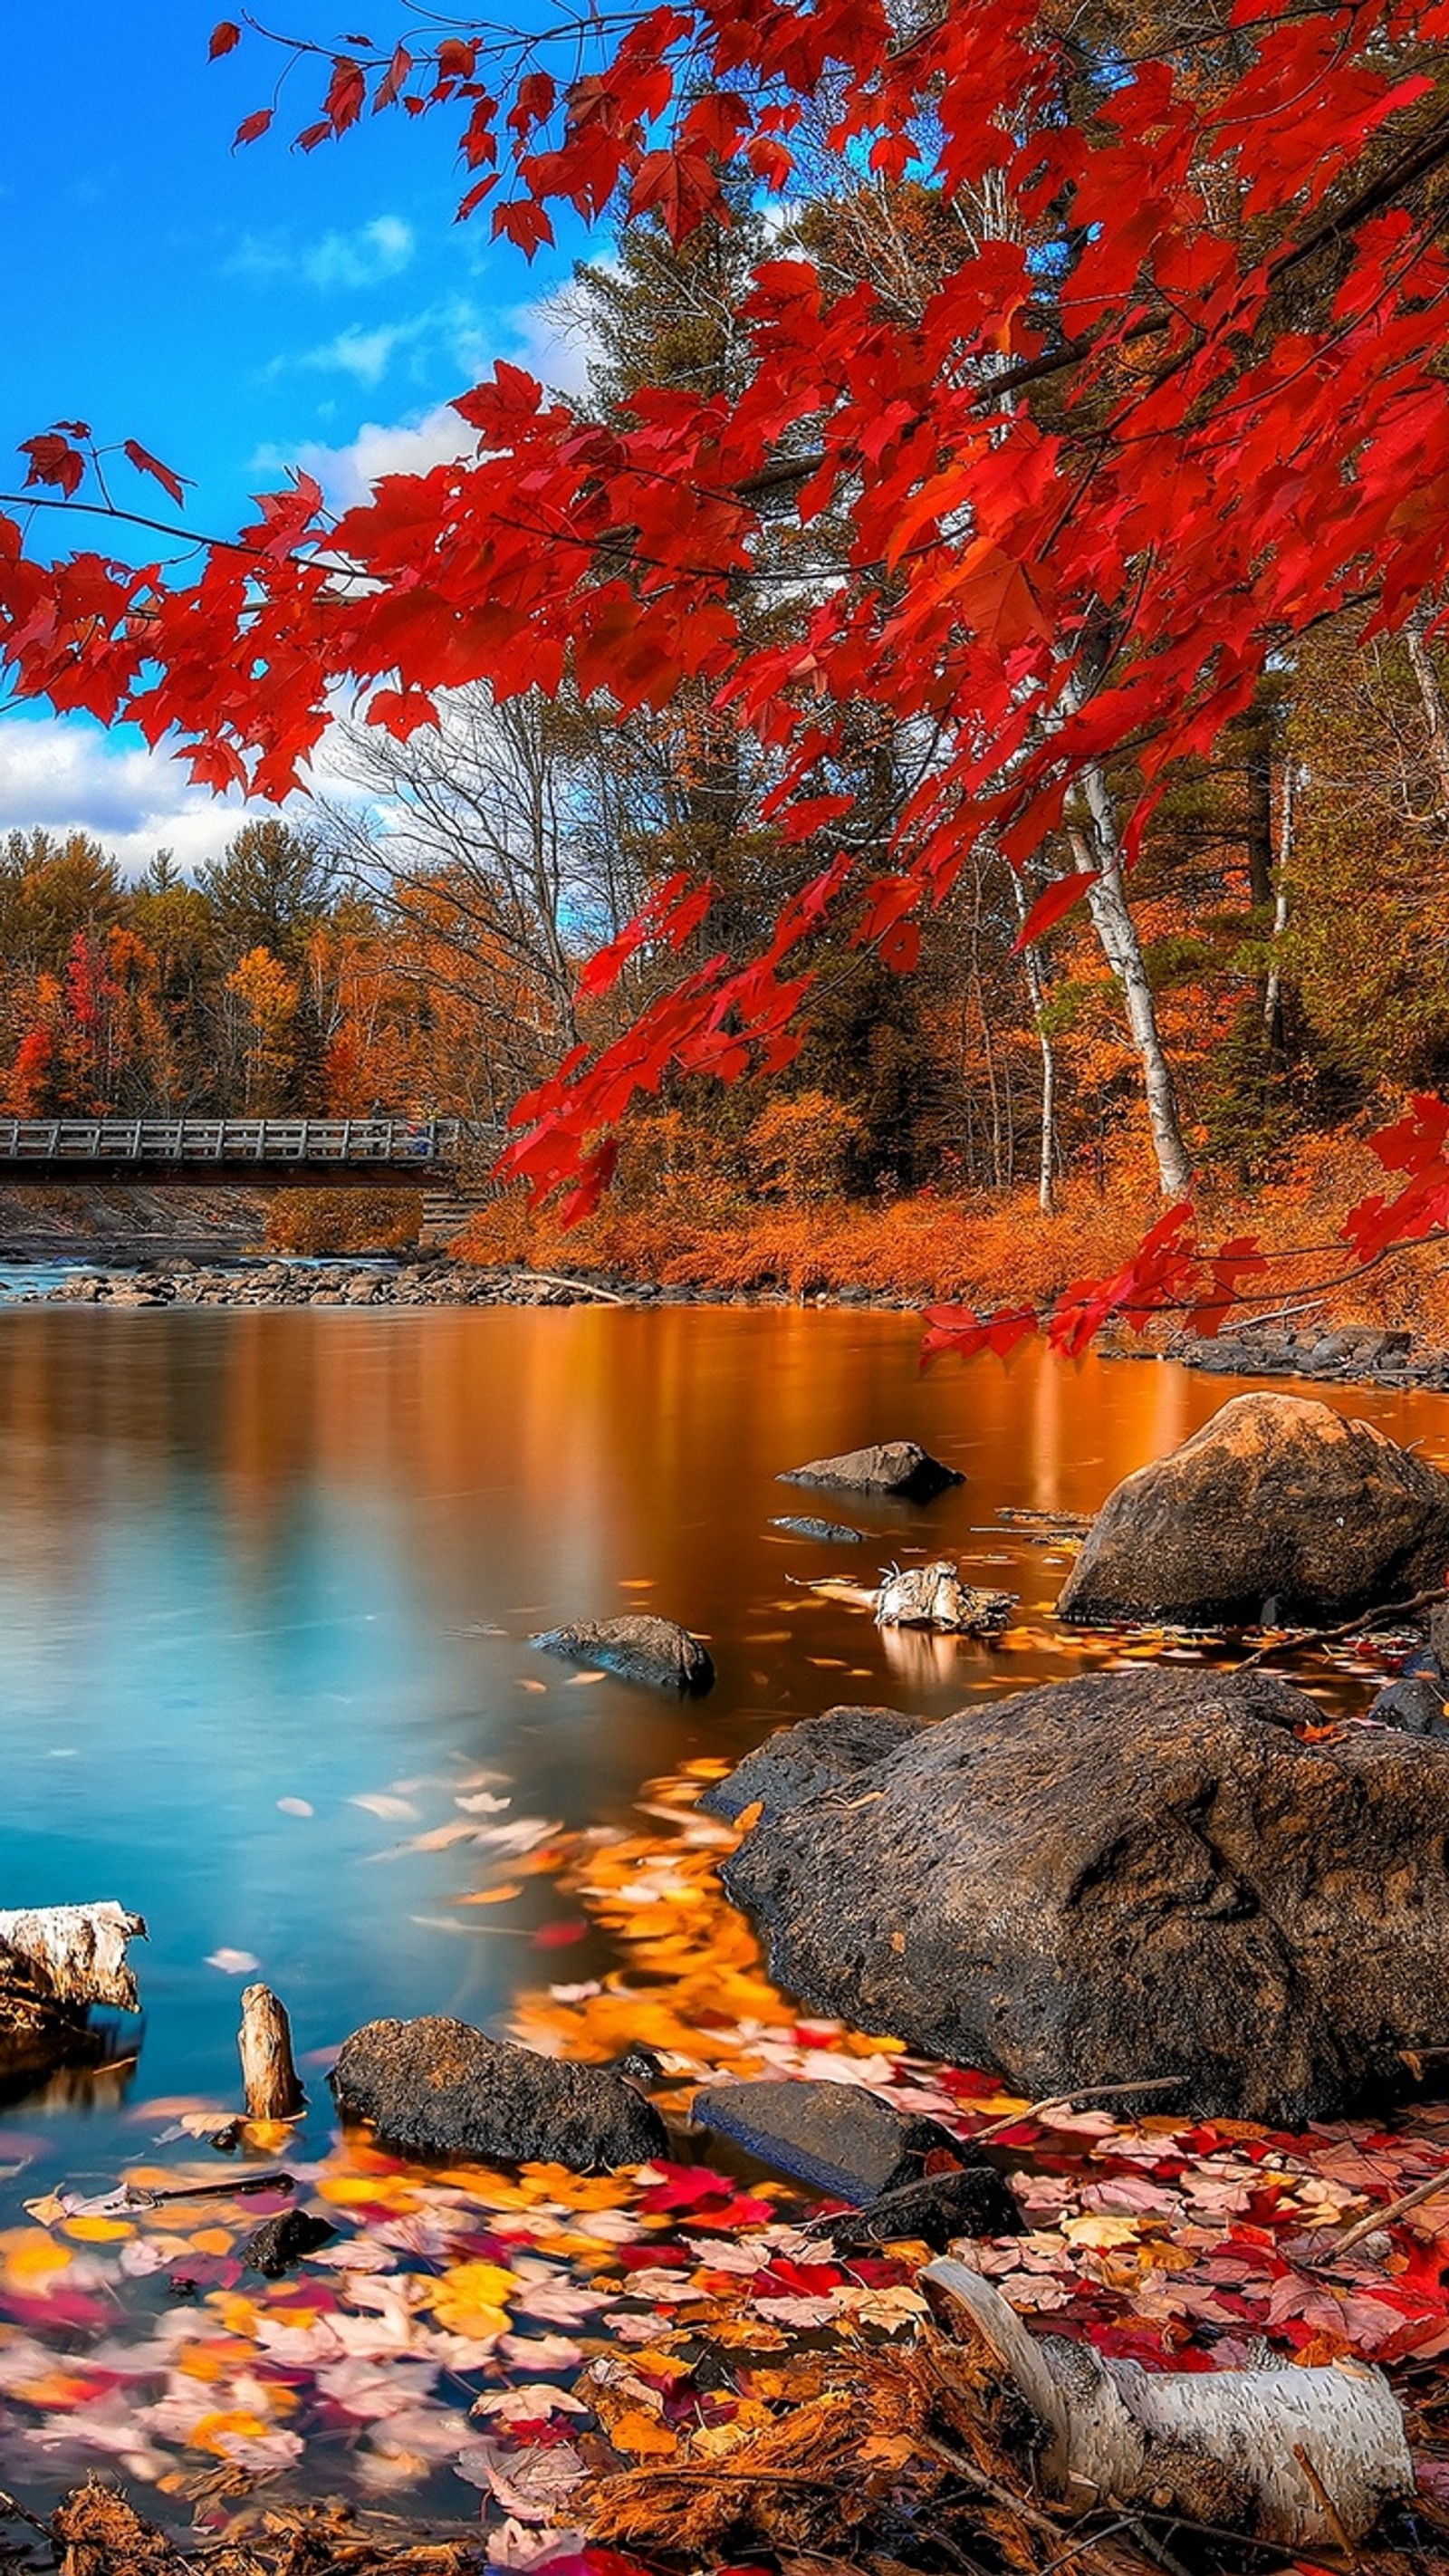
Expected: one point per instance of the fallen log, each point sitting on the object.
(1308, 2456)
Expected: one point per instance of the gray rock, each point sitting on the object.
(438, 2087)
(975, 2201)
(1128, 1876)
(825, 1533)
(801, 1761)
(900, 1467)
(656, 1652)
(837, 2137)
(1415, 1702)
(281, 2242)
(1278, 1509)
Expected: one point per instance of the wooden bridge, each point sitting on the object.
(239, 1153)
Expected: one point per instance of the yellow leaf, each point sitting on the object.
(30, 2255)
(641, 2435)
(99, 2231)
(1098, 2230)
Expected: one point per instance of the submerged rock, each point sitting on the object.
(285, 2240)
(1278, 1510)
(799, 1761)
(1127, 1877)
(656, 1652)
(825, 1533)
(437, 2087)
(900, 1467)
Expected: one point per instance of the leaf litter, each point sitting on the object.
(662, 2361)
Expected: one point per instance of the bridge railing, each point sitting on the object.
(231, 1140)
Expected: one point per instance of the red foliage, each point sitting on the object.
(1247, 428)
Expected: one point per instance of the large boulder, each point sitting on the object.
(440, 2088)
(1130, 1876)
(898, 1467)
(657, 1652)
(797, 1762)
(1278, 1509)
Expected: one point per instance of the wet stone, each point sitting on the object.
(837, 2137)
(438, 2088)
(281, 2242)
(899, 1467)
(799, 1762)
(657, 1652)
(825, 1533)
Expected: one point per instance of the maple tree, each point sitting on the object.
(1178, 396)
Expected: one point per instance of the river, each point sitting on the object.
(266, 1593)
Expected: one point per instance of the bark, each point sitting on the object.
(1431, 692)
(1318, 2453)
(1273, 987)
(1036, 986)
(1101, 849)
(1260, 817)
(269, 2074)
(72, 1955)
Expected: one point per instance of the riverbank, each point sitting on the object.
(1353, 1354)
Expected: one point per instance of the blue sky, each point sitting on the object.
(231, 310)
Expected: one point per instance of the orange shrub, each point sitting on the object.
(342, 1221)
(990, 1249)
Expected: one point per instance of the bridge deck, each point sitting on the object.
(254, 1153)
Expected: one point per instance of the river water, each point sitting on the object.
(266, 1592)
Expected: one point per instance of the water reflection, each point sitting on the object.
(268, 1576)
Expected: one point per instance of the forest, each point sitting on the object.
(1266, 986)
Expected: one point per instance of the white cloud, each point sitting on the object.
(348, 473)
(63, 775)
(375, 252)
(550, 338)
(367, 355)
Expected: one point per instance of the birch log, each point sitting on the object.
(71, 1955)
(269, 2074)
(1104, 2421)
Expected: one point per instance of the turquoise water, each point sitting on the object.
(267, 1584)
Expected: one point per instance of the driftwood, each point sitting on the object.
(56, 1961)
(1116, 2430)
(1361, 1625)
(269, 2075)
(934, 1596)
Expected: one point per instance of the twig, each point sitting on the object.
(585, 1287)
(1387, 2217)
(1064, 2102)
(1363, 1620)
(1058, 2102)
(11, 2510)
(1254, 1323)
(1326, 2506)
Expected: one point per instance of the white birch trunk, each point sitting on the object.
(1103, 2416)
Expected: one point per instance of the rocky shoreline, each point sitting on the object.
(1346, 1355)
(426, 1281)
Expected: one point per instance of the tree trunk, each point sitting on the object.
(1273, 988)
(1431, 691)
(1046, 1171)
(1318, 2454)
(269, 2075)
(1100, 848)
(1260, 817)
